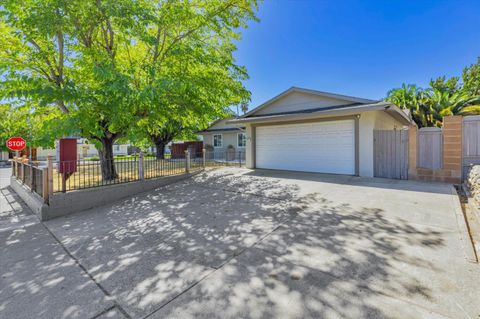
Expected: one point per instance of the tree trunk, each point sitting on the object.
(107, 164)
(160, 146)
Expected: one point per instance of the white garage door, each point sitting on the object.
(325, 147)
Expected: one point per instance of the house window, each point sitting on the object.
(241, 140)
(116, 148)
(217, 140)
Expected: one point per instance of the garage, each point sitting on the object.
(324, 147)
(314, 131)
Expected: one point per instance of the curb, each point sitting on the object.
(467, 244)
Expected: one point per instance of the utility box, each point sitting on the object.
(68, 156)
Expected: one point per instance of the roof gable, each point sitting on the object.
(295, 99)
(221, 125)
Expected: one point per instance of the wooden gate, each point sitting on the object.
(471, 142)
(390, 149)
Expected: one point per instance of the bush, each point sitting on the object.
(208, 147)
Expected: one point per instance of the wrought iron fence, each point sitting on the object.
(51, 177)
(81, 174)
(154, 168)
(38, 180)
(224, 158)
(32, 175)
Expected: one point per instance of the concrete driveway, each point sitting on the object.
(236, 243)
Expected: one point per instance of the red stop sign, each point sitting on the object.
(16, 143)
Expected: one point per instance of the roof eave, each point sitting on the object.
(399, 114)
(299, 116)
(392, 109)
(298, 89)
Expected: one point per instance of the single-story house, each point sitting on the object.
(314, 131)
(84, 150)
(222, 136)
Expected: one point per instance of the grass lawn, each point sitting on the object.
(89, 174)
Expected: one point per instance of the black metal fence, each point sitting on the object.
(82, 174)
(225, 158)
(154, 168)
(32, 175)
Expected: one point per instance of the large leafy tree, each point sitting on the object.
(107, 63)
(189, 76)
(443, 97)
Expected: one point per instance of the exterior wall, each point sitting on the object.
(120, 149)
(300, 101)
(222, 125)
(43, 153)
(383, 121)
(368, 121)
(87, 150)
(452, 154)
(229, 138)
(83, 150)
(365, 141)
(3, 156)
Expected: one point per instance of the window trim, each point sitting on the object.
(221, 140)
(245, 140)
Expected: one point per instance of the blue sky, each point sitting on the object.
(360, 48)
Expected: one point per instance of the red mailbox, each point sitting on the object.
(68, 156)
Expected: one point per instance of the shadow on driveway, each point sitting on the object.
(231, 245)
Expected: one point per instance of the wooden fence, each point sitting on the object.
(391, 153)
(194, 147)
(471, 142)
(430, 148)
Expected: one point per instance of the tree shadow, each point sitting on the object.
(259, 234)
(37, 278)
(373, 182)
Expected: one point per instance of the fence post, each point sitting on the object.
(141, 174)
(14, 166)
(50, 175)
(32, 178)
(45, 184)
(204, 158)
(187, 161)
(22, 171)
(64, 182)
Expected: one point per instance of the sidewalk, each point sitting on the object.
(38, 279)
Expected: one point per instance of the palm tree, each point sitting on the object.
(429, 106)
(410, 97)
(442, 103)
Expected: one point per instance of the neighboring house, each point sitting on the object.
(84, 150)
(222, 136)
(313, 131)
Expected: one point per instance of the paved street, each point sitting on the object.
(233, 243)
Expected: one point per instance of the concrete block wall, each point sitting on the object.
(61, 204)
(451, 172)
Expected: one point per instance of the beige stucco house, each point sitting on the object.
(313, 131)
(222, 136)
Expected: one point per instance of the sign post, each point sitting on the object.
(16, 144)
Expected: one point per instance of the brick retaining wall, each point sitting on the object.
(452, 154)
